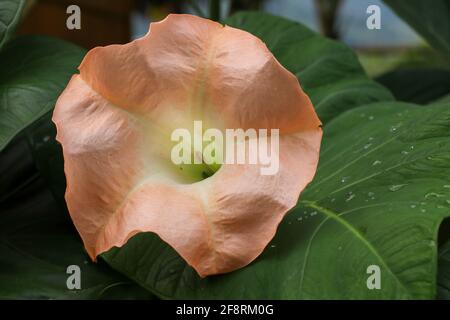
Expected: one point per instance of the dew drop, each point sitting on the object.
(393, 129)
(433, 158)
(344, 179)
(299, 219)
(433, 195)
(367, 146)
(396, 187)
(313, 213)
(273, 246)
(350, 197)
(370, 194)
(371, 117)
(376, 162)
(412, 206)
(405, 152)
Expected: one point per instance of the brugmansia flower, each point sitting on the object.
(114, 121)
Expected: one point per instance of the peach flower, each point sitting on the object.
(114, 121)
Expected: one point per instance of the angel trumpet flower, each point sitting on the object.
(115, 121)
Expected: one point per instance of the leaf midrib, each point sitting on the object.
(333, 215)
(12, 22)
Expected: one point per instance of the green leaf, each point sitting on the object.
(430, 20)
(10, 12)
(38, 241)
(417, 85)
(33, 72)
(380, 194)
(443, 99)
(328, 71)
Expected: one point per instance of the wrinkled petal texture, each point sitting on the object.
(114, 121)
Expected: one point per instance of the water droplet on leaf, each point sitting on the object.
(396, 187)
(376, 162)
(344, 179)
(350, 197)
(433, 195)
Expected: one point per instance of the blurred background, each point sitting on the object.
(104, 22)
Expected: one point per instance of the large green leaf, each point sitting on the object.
(327, 70)
(417, 85)
(443, 99)
(10, 11)
(33, 72)
(380, 194)
(431, 19)
(37, 239)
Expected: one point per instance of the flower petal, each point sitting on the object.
(114, 122)
(187, 64)
(244, 207)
